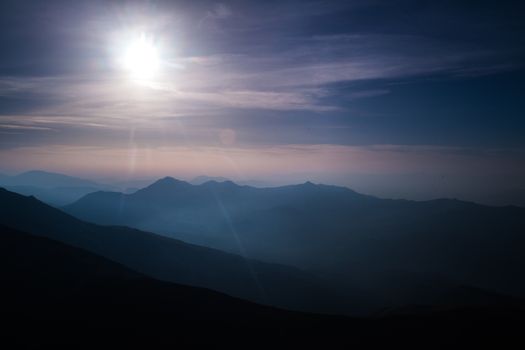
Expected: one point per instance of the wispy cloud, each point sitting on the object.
(249, 59)
(22, 127)
(295, 79)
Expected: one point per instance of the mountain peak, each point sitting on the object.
(166, 183)
(167, 179)
(221, 184)
(199, 180)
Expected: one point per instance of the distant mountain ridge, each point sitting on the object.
(199, 180)
(53, 188)
(373, 242)
(39, 178)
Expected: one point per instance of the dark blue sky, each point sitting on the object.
(335, 91)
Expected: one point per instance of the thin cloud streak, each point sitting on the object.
(294, 79)
(267, 161)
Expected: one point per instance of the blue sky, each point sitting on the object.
(368, 94)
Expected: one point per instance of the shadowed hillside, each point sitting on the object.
(47, 281)
(172, 260)
(55, 294)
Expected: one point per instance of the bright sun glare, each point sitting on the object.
(141, 58)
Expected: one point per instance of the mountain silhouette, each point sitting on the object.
(47, 282)
(73, 273)
(199, 180)
(172, 260)
(53, 188)
(39, 178)
(397, 248)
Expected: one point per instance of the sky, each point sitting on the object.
(413, 99)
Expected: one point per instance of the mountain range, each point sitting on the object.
(44, 179)
(65, 281)
(53, 188)
(59, 189)
(397, 250)
(175, 261)
(353, 253)
(199, 180)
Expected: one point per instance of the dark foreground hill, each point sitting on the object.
(48, 283)
(54, 294)
(175, 261)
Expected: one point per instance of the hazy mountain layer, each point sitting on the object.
(397, 247)
(52, 188)
(172, 260)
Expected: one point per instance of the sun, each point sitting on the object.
(141, 58)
